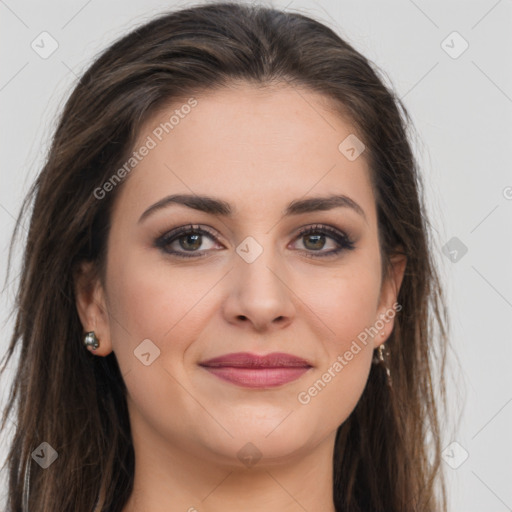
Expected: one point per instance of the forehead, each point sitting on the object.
(252, 146)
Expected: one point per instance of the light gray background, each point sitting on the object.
(462, 110)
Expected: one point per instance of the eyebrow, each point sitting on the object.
(222, 208)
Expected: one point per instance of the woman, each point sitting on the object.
(230, 222)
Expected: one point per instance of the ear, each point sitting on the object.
(92, 307)
(388, 307)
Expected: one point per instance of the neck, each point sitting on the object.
(170, 480)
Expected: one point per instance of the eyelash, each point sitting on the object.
(345, 242)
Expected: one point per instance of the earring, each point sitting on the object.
(379, 360)
(379, 357)
(90, 340)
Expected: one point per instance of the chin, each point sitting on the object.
(268, 442)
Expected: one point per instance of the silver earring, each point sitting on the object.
(90, 340)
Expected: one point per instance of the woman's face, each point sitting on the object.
(249, 281)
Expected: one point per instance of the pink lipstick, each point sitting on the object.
(254, 371)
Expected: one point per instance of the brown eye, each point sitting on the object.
(315, 240)
(183, 240)
(190, 242)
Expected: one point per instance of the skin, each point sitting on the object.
(257, 149)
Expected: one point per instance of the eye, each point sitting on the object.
(185, 238)
(314, 239)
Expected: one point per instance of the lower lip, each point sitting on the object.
(257, 378)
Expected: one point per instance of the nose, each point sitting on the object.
(259, 296)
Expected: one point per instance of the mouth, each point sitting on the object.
(254, 371)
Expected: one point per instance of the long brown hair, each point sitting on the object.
(388, 452)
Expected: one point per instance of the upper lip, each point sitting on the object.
(248, 360)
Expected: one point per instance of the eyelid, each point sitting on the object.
(326, 228)
(173, 234)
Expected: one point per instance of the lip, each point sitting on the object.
(255, 371)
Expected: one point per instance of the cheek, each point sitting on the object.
(348, 308)
(155, 302)
(338, 383)
(346, 303)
